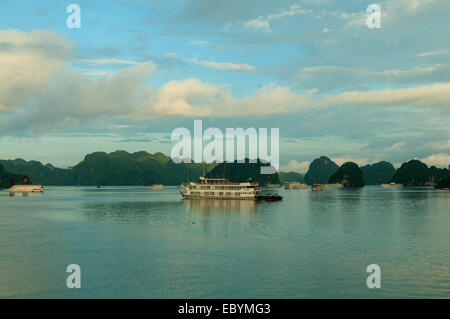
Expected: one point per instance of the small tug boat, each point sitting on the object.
(269, 197)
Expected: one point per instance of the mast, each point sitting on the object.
(224, 169)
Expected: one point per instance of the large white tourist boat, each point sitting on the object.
(221, 188)
(26, 189)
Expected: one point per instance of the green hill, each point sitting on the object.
(444, 183)
(349, 175)
(378, 173)
(240, 172)
(116, 168)
(290, 177)
(39, 173)
(320, 170)
(5, 178)
(132, 169)
(416, 173)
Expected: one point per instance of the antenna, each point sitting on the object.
(204, 169)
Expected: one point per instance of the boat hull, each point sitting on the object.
(391, 186)
(196, 197)
(26, 189)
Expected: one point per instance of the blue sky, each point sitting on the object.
(137, 69)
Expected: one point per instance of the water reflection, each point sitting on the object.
(211, 205)
(142, 212)
(308, 245)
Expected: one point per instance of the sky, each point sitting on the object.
(138, 69)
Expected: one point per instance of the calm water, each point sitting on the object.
(137, 242)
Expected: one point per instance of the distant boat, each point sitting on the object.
(318, 187)
(98, 186)
(157, 186)
(392, 185)
(295, 185)
(270, 185)
(26, 189)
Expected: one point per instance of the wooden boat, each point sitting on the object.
(392, 185)
(318, 187)
(270, 185)
(295, 185)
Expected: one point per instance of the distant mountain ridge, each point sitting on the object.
(143, 168)
(116, 168)
(5, 177)
(291, 177)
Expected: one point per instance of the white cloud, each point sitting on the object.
(119, 126)
(106, 62)
(225, 65)
(39, 92)
(200, 42)
(422, 96)
(432, 53)
(193, 98)
(439, 146)
(262, 23)
(439, 160)
(397, 146)
(338, 77)
(341, 160)
(294, 166)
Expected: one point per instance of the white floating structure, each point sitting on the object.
(392, 185)
(295, 185)
(26, 189)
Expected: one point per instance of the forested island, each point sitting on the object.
(121, 168)
(349, 175)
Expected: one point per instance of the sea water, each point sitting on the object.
(136, 242)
